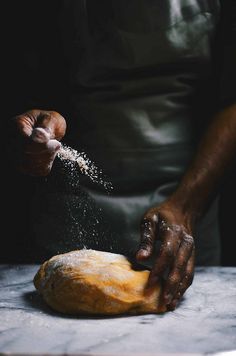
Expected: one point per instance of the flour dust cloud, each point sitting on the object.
(79, 160)
(77, 220)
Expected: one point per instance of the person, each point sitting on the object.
(149, 96)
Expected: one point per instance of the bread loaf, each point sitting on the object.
(96, 282)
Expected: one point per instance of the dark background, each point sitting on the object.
(27, 48)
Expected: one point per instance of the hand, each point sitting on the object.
(176, 256)
(35, 139)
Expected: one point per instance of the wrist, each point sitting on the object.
(178, 212)
(191, 201)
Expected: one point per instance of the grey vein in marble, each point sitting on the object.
(204, 323)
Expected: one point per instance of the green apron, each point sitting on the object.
(140, 83)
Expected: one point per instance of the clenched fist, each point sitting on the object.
(35, 137)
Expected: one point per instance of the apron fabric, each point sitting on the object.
(140, 83)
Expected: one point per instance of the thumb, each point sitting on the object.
(41, 135)
(148, 237)
(54, 146)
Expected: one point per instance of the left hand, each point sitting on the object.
(176, 256)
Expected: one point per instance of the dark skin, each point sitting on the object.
(182, 210)
(173, 222)
(36, 136)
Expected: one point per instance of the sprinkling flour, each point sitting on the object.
(79, 160)
(67, 217)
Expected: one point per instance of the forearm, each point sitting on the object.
(213, 158)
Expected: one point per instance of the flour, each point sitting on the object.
(80, 160)
(78, 257)
(66, 199)
(88, 261)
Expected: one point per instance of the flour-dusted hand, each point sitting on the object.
(34, 140)
(176, 255)
(173, 221)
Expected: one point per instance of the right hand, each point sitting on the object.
(35, 137)
(173, 226)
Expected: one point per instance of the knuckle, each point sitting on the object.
(188, 240)
(167, 250)
(145, 243)
(178, 295)
(54, 113)
(173, 280)
(179, 266)
(145, 224)
(147, 236)
(148, 229)
(151, 216)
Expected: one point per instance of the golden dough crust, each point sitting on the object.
(96, 282)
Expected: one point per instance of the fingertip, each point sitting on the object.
(54, 145)
(40, 135)
(172, 306)
(143, 254)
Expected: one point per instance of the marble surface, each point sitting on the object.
(203, 324)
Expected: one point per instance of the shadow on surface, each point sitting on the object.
(35, 301)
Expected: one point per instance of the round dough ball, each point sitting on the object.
(96, 282)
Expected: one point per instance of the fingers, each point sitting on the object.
(35, 142)
(175, 258)
(37, 158)
(185, 283)
(43, 142)
(40, 135)
(22, 125)
(170, 245)
(148, 237)
(178, 270)
(53, 123)
(39, 146)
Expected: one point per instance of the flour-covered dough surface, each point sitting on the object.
(96, 282)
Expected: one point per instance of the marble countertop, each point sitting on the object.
(203, 324)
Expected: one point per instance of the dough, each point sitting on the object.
(96, 282)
